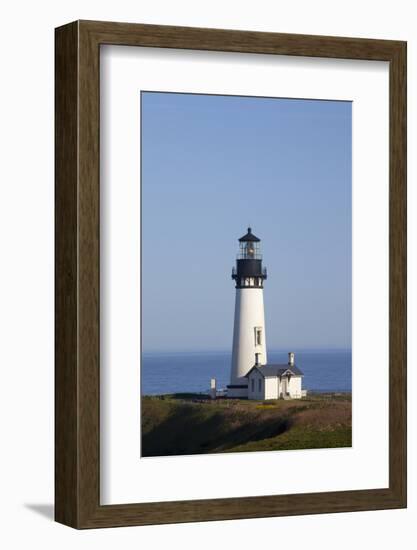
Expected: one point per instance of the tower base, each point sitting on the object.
(237, 391)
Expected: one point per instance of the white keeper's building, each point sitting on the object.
(252, 376)
(272, 381)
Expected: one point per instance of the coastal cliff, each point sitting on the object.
(183, 424)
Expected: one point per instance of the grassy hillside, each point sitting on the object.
(191, 424)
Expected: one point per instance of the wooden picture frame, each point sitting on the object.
(77, 382)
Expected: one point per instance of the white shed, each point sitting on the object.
(275, 382)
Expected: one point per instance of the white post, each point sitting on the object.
(213, 388)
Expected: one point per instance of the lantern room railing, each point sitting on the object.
(264, 273)
(246, 256)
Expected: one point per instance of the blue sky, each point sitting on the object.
(211, 166)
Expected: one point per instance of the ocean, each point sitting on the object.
(176, 372)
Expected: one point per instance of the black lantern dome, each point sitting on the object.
(249, 237)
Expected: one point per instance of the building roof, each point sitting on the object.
(276, 370)
(249, 237)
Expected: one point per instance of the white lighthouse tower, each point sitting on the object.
(249, 342)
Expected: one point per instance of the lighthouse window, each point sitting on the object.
(259, 385)
(258, 336)
(252, 384)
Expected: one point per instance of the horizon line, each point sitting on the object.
(224, 350)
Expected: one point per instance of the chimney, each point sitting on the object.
(257, 359)
(291, 358)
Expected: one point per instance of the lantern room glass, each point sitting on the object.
(249, 250)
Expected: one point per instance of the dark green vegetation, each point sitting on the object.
(181, 424)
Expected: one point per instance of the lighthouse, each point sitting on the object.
(249, 341)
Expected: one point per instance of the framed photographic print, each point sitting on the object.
(230, 274)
